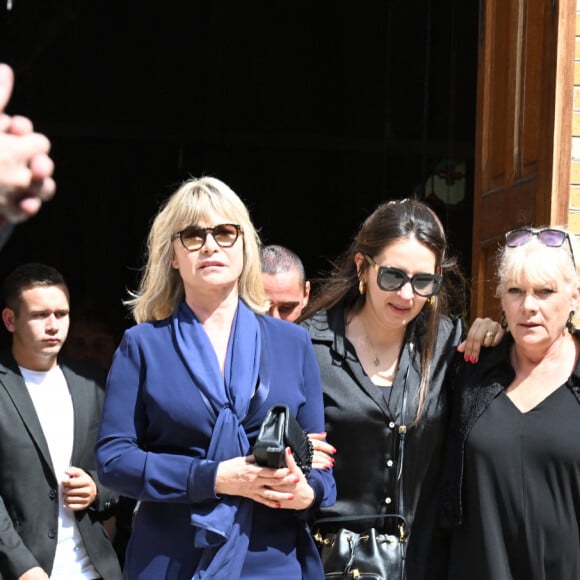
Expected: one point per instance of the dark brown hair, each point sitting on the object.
(390, 222)
(29, 275)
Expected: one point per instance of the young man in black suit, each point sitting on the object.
(51, 503)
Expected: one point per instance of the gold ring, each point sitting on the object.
(490, 335)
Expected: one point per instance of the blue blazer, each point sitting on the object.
(153, 441)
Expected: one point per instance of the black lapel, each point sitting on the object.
(13, 383)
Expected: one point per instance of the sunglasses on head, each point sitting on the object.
(390, 279)
(193, 237)
(551, 237)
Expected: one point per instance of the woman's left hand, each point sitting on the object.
(293, 492)
(323, 456)
(285, 487)
(482, 332)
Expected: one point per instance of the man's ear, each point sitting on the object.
(8, 317)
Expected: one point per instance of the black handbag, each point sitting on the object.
(374, 552)
(280, 430)
(370, 546)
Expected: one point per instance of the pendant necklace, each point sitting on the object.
(376, 359)
(386, 374)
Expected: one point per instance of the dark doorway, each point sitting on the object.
(312, 112)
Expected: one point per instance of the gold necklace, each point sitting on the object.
(388, 374)
(376, 359)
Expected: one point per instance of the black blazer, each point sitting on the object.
(28, 484)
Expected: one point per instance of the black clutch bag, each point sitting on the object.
(278, 431)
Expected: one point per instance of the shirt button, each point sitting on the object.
(391, 425)
(390, 463)
(388, 500)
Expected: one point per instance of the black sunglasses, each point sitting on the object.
(193, 237)
(390, 279)
(551, 237)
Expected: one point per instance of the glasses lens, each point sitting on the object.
(193, 237)
(426, 284)
(517, 238)
(225, 235)
(552, 238)
(390, 279)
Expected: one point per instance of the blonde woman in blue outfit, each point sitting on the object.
(188, 389)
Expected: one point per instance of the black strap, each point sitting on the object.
(349, 519)
(402, 436)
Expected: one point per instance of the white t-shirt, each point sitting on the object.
(53, 405)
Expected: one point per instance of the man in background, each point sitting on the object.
(285, 282)
(51, 502)
(93, 334)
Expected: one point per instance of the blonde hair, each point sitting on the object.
(538, 263)
(161, 289)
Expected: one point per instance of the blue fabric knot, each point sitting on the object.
(223, 526)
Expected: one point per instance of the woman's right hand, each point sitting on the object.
(323, 452)
(242, 476)
(483, 332)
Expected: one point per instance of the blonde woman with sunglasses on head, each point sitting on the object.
(384, 339)
(512, 484)
(187, 392)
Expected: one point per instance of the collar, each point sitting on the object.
(494, 366)
(327, 326)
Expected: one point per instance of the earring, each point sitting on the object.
(569, 323)
(430, 302)
(504, 323)
(362, 287)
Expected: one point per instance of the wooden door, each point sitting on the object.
(523, 128)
